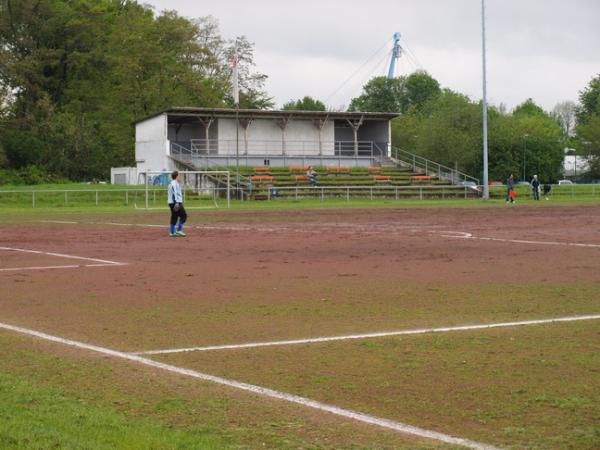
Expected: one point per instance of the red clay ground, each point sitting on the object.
(318, 272)
(269, 275)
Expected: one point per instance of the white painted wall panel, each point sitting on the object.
(154, 129)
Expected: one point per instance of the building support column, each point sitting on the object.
(282, 124)
(355, 124)
(206, 122)
(245, 122)
(320, 124)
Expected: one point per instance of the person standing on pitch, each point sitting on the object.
(176, 205)
(535, 186)
(510, 187)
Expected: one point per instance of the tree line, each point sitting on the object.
(75, 74)
(446, 126)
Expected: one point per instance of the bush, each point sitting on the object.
(28, 175)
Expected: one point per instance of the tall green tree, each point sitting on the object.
(379, 94)
(588, 125)
(399, 94)
(448, 130)
(419, 88)
(307, 103)
(589, 99)
(81, 71)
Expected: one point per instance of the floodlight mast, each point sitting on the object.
(486, 187)
(395, 55)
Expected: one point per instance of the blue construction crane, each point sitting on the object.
(395, 55)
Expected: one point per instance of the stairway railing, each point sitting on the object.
(428, 167)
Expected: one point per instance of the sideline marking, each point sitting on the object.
(96, 262)
(314, 229)
(464, 235)
(369, 335)
(365, 418)
(58, 221)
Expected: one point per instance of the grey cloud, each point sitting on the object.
(527, 40)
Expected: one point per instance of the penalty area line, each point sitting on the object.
(93, 262)
(259, 390)
(465, 235)
(369, 335)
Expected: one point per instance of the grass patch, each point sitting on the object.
(529, 387)
(34, 416)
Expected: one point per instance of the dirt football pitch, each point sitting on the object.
(458, 327)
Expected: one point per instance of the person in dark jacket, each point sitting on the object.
(510, 187)
(547, 189)
(535, 187)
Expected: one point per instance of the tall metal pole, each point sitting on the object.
(237, 149)
(486, 188)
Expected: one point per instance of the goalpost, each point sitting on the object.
(201, 189)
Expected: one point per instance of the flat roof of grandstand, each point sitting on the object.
(230, 112)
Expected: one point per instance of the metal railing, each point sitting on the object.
(428, 167)
(277, 147)
(103, 197)
(370, 192)
(215, 152)
(208, 195)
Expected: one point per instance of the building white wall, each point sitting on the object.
(569, 168)
(265, 137)
(123, 175)
(152, 145)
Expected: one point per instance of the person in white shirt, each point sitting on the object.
(175, 201)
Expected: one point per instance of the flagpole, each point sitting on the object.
(486, 188)
(237, 148)
(236, 101)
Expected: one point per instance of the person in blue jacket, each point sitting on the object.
(175, 201)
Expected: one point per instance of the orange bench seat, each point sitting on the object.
(339, 168)
(300, 177)
(298, 168)
(382, 177)
(261, 178)
(261, 169)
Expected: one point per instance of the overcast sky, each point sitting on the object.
(544, 49)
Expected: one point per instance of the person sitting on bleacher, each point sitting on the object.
(312, 176)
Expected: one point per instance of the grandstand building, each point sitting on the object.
(208, 137)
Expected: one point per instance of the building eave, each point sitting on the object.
(261, 113)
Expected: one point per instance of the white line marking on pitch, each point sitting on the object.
(58, 221)
(11, 269)
(365, 418)
(317, 229)
(369, 335)
(463, 235)
(97, 262)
